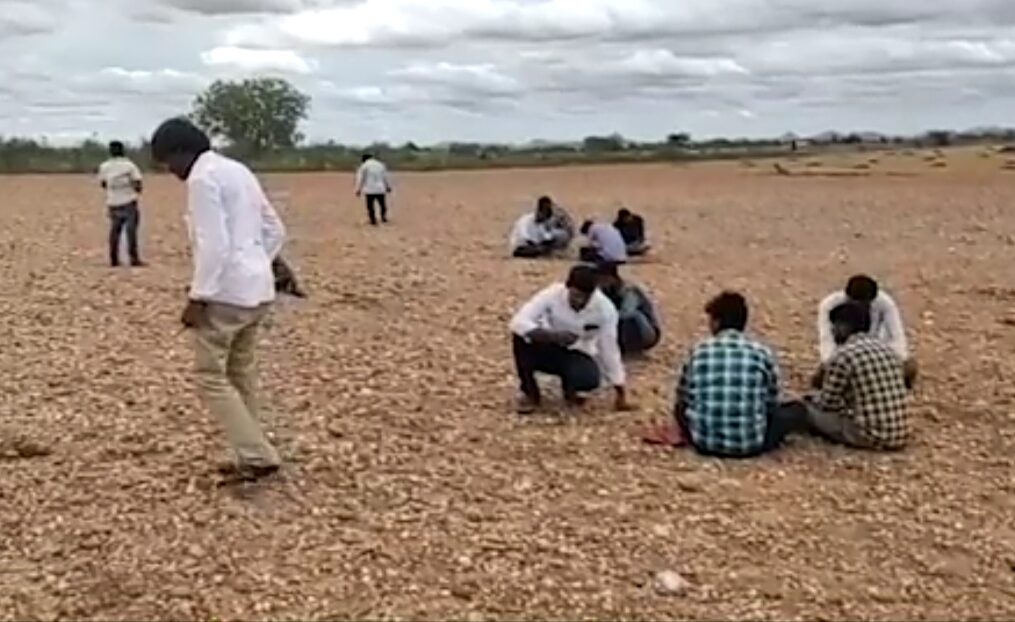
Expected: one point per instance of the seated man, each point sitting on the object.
(632, 229)
(531, 235)
(638, 329)
(728, 396)
(886, 324)
(568, 330)
(863, 399)
(606, 245)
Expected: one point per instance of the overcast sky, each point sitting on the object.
(514, 70)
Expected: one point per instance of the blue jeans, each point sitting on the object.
(637, 334)
(124, 217)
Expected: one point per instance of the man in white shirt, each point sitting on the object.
(886, 325)
(235, 234)
(121, 179)
(568, 330)
(546, 231)
(606, 244)
(373, 181)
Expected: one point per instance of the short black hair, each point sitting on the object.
(116, 149)
(729, 309)
(586, 226)
(366, 156)
(178, 135)
(854, 314)
(623, 213)
(583, 278)
(544, 201)
(862, 288)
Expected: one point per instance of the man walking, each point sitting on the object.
(121, 179)
(372, 180)
(235, 234)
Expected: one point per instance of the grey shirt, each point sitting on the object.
(608, 241)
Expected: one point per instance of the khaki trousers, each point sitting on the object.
(226, 368)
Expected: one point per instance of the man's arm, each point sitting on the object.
(360, 178)
(836, 385)
(387, 177)
(272, 229)
(211, 237)
(826, 340)
(527, 319)
(610, 360)
(135, 178)
(896, 330)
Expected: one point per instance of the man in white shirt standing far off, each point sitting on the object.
(373, 181)
(121, 179)
(235, 234)
(886, 325)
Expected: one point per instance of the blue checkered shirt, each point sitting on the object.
(728, 387)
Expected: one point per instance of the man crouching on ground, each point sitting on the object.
(235, 233)
(568, 330)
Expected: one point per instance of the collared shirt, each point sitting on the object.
(527, 231)
(372, 178)
(608, 241)
(595, 325)
(727, 388)
(886, 324)
(234, 232)
(119, 175)
(864, 382)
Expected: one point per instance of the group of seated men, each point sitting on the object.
(550, 230)
(729, 399)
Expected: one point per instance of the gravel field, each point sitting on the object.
(412, 490)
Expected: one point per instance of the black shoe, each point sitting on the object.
(137, 263)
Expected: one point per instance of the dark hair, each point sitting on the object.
(854, 314)
(544, 201)
(178, 136)
(116, 149)
(623, 213)
(366, 156)
(862, 288)
(586, 226)
(583, 278)
(729, 309)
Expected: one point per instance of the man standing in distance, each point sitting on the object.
(235, 234)
(121, 179)
(372, 180)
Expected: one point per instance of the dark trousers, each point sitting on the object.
(381, 201)
(530, 251)
(577, 371)
(124, 217)
(637, 334)
(788, 417)
(589, 254)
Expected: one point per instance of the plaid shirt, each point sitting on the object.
(864, 382)
(728, 388)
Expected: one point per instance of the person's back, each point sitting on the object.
(606, 243)
(865, 384)
(730, 388)
(231, 206)
(373, 176)
(632, 229)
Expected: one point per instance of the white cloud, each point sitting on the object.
(257, 60)
(24, 18)
(229, 7)
(483, 79)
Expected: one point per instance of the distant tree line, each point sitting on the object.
(258, 120)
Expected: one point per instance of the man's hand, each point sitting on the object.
(560, 338)
(620, 404)
(359, 193)
(194, 314)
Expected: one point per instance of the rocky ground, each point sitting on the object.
(413, 491)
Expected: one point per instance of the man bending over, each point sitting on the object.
(632, 228)
(606, 245)
(638, 329)
(568, 330)
(886, 324)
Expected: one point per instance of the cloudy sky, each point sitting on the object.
(514, 70)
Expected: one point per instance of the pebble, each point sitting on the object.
(670, 583)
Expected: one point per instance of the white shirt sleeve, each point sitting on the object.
(272, 229)
(826, 340)
(528, 318)
(894, 326)
(135, 172)
(210, 237)
(608, 348)
(360, 177)
(386, 177)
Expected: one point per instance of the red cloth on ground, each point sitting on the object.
(668, 434)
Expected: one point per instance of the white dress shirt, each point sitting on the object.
(608, 241)
(234, 231)
(372, 178)
(595, 325)
(118, 176)
(886, 325)
(528, 231)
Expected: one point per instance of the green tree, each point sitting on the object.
(255, 115)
